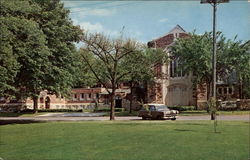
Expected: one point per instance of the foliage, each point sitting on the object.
(84, 76)
(105, 109)
(195, 55)
(37, 40)
(19, 36)
(182, 108)
(60, 110)
(103, 56)
(139, 66)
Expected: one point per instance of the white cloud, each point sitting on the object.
(82, 12)
(163, 20)
(97, 27)
(102, 12)
(71, 4)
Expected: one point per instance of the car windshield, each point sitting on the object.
(162, 107)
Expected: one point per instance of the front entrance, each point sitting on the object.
(118, 103)
(47, 103)
(177, 95)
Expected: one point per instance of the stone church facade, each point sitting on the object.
(173, 87)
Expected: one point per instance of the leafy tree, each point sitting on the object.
(237, 59)
(140, 65)
(106, 65)
(85, 76)
(195, 55)
(38, 36)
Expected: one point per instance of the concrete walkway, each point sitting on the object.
(76, 117)
(84, 114)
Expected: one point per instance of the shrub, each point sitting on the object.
(108, 110)
(60, 110)
(182, 108)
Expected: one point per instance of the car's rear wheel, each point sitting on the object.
(159, 117)
(144, 118)
(173, 118)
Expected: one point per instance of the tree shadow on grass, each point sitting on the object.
(23, 121)
(184, 130)
(195, 124)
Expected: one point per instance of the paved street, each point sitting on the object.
(99, 117)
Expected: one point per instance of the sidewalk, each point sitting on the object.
(77, 117)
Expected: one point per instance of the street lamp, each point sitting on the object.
(214, 3)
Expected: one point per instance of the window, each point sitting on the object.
(152, 108)
(74, 96)
(220, 90)
(175, 71)
(82, 96)
(89, 96)
(225, 90)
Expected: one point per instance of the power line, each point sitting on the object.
(104, 7)
(90, 4)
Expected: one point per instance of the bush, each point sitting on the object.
(60, 110)
(182, 108)
(108, 110)
(27, 110)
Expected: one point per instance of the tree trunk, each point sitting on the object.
(241, 89)
(131, 99)
(112, 107)
(208, 90)
(35, 104)
(213, 115)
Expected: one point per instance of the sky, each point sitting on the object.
(147, 20)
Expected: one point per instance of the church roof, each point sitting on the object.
(177, 29)
(168, 39)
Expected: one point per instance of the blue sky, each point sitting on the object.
(146, 20)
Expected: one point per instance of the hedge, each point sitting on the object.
(182, 108)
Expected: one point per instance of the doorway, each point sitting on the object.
(118, 103)
(47, 103)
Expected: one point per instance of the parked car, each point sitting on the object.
(157, 111)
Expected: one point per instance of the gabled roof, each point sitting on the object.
(168, 39)
(177, 29)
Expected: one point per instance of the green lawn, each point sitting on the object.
(125, 140)
(203, 112)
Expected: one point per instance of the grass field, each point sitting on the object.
(203, 112)
(126, 113)
(125, 140)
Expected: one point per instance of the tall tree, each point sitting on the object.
(107, 67)
(194, 55)
(236, 57)
(41, 37)
(140, 65)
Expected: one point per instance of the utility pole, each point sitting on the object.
(214, 4)
(214, 50)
